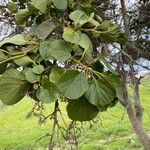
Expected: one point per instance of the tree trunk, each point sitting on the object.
(134, 111)
(136, 120)
(138, 128)
(137, 102)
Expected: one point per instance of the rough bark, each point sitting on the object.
(137, 102)
(135, 115)
(138, 128)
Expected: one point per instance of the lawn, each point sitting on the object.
(112, 130)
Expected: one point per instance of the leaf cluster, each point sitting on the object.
(54, 60)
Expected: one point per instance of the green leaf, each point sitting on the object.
(38, 69)
(100, 93)
(22, 16)
(31, 8)
(47, 93)
(102, 108)
(76, 50)
(106, 25)
(112, 104)
(60, 50)
(2, 56)
(73, 84)
(71, 36)
(41, 5)
(122, 38)
(94, 22)
(23, 60)
(31, 76)
(13, 87)
(43, 95)
(99, 18)
(12, 6)
(88, 57)
(3, 65)
(60, 4)
(46, 28)
(109, 31)
(45, 50)
(81, 39)
(80, 18)
(16, 40)
(107, 65)
(117, 85)
(55, 74)
(85, 42)
(98, 66)
(81, 110)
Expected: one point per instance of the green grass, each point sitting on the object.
(110, 132)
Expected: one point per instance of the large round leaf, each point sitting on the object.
(47, 93)
(73, 84)
(81, 39)
(12, 87)
(46, 28)
(109, 31)
(31, 76)
(56, 74)
(117, 85)
(38, 69)
(41, 4)
(72, 36)
(23, 61)
(79, 17)
(60, 50)
(100, 93)
(85, 42)
(81, 110)
(45, 49)
(60, 4)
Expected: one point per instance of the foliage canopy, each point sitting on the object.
(57, 58)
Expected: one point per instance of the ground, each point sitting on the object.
(112, 130)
